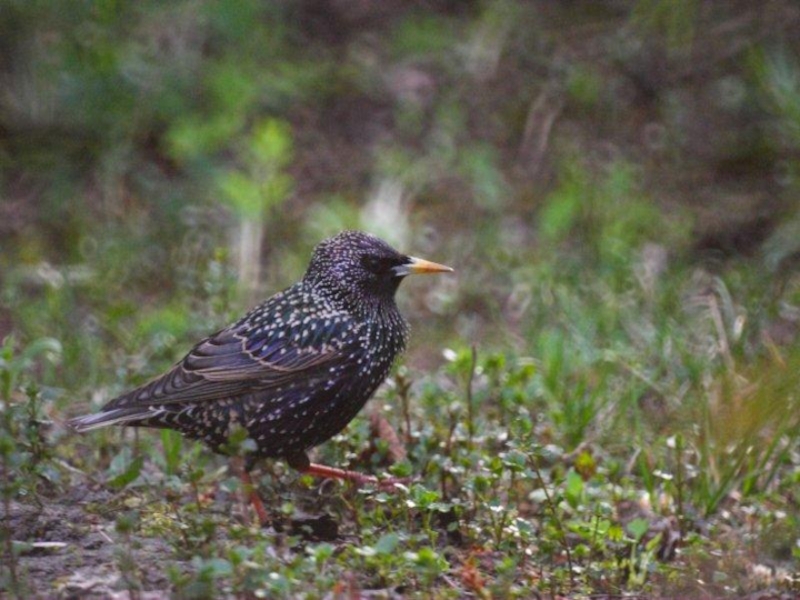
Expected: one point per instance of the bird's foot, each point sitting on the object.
(386, 484)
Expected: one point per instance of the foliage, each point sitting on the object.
(25, 452)
(602, 401)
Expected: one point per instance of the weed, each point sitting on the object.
(25, 452)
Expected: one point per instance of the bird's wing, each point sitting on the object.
(235, 360)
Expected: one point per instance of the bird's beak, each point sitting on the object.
(420, 265)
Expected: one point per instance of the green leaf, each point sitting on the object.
(129, 475)
(272, 143)
(219, 567)
(387, 543)
(243, 193)
(193, 136)
(574, 488)
(321, 552)
(172, 441)
(563, 207)
(637, 528)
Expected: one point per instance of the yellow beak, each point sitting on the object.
(420, 265)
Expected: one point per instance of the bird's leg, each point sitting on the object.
(255, 499)
(249, 489)
(302, 463)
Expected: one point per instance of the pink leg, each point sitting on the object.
(255, 499)
(317, 470)
(249, 489)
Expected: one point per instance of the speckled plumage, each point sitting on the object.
(296, 369)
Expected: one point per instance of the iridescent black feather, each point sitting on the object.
(296, 369)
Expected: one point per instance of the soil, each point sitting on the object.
(87, 566)
(72, 546)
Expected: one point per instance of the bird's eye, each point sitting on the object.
(373, 264)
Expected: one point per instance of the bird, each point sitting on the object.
(294, 371)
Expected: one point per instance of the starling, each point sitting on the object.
(295, 370)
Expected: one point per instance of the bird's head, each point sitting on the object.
(363, 269)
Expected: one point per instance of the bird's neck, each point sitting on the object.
(374, 308)
(363, 305)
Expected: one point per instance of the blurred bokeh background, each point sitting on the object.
(165, 165)
(616, 183)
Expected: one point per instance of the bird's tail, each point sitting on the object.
(115, 416)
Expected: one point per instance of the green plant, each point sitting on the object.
(24, 450)
(261, 185)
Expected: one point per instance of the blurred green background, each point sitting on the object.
(166, 161)
(615, 182)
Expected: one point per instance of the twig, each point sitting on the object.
(679, 480)
(381, 429)
(403, 387)
(102, 533)
(470, 408)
